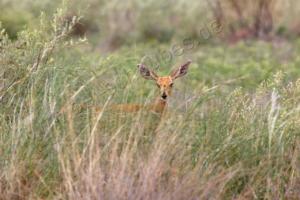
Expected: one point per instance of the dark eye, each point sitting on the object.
(157, 85)
(171, 85)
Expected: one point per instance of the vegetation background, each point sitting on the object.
(232, 130)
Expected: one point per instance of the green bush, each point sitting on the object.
(15, 21)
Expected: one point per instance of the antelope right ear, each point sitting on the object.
(181, 71)
(147, 73)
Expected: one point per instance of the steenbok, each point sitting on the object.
(164, 83)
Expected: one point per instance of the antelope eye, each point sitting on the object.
(157, 85)
(171, 85)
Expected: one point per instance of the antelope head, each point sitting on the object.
(164, 83)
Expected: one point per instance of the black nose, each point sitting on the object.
(164, 96)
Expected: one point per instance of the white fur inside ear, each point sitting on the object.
(146, 73)
(181, 71)
(143, 70)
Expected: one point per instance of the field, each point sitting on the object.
(231, 129)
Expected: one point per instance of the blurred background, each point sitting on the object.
(112, 24)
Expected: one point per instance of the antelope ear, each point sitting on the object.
(147, 73)
(181, 71)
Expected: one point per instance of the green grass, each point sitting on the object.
(231, 130)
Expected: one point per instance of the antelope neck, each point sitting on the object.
(160, 100)
(159, 105)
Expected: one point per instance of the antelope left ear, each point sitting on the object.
(181, 71)
(147, 73)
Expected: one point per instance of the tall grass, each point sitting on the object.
(224, 136)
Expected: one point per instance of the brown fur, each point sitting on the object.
(164, 83)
